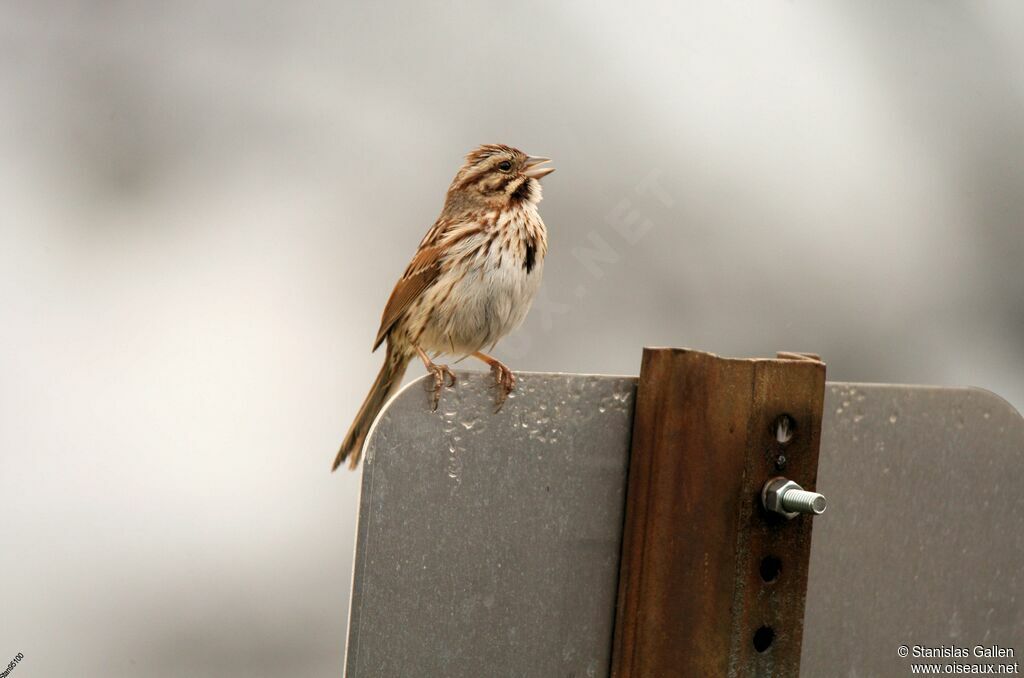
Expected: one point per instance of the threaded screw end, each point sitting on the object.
(802, 501)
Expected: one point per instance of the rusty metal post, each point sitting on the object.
(710, 583)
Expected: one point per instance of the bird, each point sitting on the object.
(471, 281)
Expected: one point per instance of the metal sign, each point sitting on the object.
(489, 544)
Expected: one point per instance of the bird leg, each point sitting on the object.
(503, 377)
(440, 372)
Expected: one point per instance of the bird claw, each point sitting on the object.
(441, 374)
(505, 381)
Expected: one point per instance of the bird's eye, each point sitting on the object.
(504, 165)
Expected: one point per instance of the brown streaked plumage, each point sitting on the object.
(470, 283)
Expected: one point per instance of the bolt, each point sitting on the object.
(783, 496)
(802, 501)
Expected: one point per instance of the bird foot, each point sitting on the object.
(504, 380)
(441, 374)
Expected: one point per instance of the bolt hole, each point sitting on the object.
(771, 567)
(763, 638)
(784, 428)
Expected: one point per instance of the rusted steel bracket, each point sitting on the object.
(712, 584)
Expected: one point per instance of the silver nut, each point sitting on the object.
(771, 495)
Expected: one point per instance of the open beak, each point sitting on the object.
(533, 169)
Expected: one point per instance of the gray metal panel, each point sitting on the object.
(923, 541)
(488, 544)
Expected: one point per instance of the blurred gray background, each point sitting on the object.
(205, 205)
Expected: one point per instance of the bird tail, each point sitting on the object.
(387, 383)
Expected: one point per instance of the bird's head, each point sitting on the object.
(498, 176)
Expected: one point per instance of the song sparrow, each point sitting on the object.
(470, 283)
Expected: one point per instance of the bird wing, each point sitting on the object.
(423, 270)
